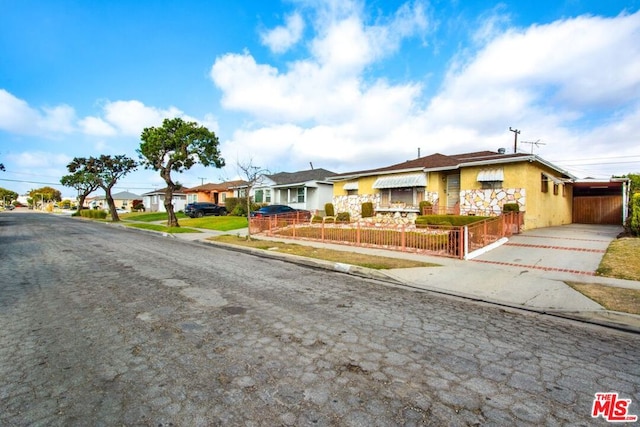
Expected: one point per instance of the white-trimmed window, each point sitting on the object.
(408, 189)
(491, 179)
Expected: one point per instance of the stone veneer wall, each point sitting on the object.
(490, 201)
(353, 204)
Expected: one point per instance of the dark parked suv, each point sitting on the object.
(282, 211)
(200, 209)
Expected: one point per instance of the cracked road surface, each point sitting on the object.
(100, 325)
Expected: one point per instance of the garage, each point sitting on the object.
(600, 202)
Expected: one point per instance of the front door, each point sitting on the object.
(453, 192)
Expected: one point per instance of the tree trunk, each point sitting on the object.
(172, 219)
(248, 214)
(111, 204)
(81, 200)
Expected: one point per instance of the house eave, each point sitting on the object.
(373, 173)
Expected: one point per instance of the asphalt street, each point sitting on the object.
(100, 325)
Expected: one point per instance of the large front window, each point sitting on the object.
(410, 196)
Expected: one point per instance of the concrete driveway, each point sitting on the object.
(574, 248)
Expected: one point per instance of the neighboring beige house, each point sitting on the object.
(122, 200)
(469, 183)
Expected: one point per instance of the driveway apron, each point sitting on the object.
(574, 248)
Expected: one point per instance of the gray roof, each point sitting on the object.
(284, 178)
(123, 195)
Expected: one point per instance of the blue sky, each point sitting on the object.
(344, 85)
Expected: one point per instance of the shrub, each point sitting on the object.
(137, 206)
(634, 224)
(343, 217)
(367, 210)
(511, 207)
(231, 202)
(424, 206)
(456, 220)
(316, 219)
(329, 210)
(239, 210)
(93, 213)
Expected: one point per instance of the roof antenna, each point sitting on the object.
(536, 143)
(311, 164)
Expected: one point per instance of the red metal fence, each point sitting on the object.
(442, 240)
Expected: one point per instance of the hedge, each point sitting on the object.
(511, 207)
(423, 205)
(634, 224)
(93, 213)
(455, 220)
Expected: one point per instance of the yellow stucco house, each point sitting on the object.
(477, 183)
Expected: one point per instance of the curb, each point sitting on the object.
(624, 322)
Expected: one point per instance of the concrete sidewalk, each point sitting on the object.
(528, 272)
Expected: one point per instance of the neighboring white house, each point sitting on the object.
(154, 200)
(122, 200)
(301, 190)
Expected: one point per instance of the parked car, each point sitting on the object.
(281, 211)
(200, 209)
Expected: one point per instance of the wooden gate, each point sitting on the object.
(597, 210)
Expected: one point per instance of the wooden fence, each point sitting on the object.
(440, 240)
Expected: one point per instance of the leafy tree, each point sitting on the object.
(84, 181)
(634, 182)
(253, 175)
(7, 196)
(107, 170)
(177, 146)
(45, 194)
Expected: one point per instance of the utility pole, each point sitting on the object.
(515, 140)
(201, 180)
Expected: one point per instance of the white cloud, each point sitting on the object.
(38, 160)
(16, 116)
(327, 87)
(131, 117)
(572, 84)
(280, 39)
(96, 126)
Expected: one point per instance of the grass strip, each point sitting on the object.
(149, 217)
(163, 228)
(346, 257)
(612, 298)
(622, 260)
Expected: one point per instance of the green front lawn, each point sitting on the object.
(219, 223)
(163, 228)
(149, 216)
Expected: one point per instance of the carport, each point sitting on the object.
(600, 201)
